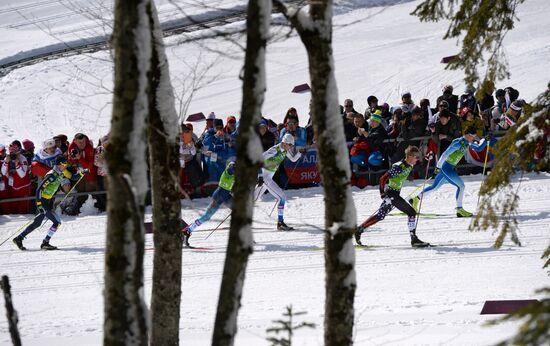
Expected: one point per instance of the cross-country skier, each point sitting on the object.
(447, 168)
(272, 159)
(220, 196)
(44, 202)
(390, 188)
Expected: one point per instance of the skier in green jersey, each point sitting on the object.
(221, 195)
(44, 202)
(390, 188)
(273, 157)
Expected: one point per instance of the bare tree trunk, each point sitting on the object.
(315, 31)
(164, 163)
(249, 158)
(11, 313)
(125, 320)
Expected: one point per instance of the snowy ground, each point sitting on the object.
(404, 296)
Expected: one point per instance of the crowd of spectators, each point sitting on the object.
(376, 138)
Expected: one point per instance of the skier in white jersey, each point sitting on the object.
(272, 159)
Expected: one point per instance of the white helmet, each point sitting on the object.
(288, 139)
(49, 143)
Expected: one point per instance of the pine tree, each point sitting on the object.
(483, 24)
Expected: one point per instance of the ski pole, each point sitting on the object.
(72, 188)
(418, 188)
(218, 226)
(483, 174)
(422, 197)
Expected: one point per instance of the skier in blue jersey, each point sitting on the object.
(447, 169)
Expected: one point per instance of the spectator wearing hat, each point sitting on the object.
(407, 104)
(215, 150)
(230, 125)
(468, 99)
(231, 129)
(469, 120)
(28, 145)
(208, 126)
(44, 160)
(267, 137)
(377, 133)
(378, 112)
(16, 173)
(209, 122)
(512, 115)
(372, 102)
(446, 130)
(82, 154)
(191, 174)
(449, 97)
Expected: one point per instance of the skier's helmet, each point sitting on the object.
(288, 139)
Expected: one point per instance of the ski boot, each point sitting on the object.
(19, 242)
(415, 242)
(357, 235)
(414, 202)
(282, 226)
(186, 236)
(460, 212)
(47, 246)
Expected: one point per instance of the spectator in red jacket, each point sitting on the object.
(3, 180)
(17, 181)
(82, 154)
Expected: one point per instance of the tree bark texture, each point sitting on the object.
(340, 281)
(125, 320)
(11, 313)
(164, 163)
(249, 159)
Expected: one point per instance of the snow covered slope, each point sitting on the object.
(380, 51)
(405, 296)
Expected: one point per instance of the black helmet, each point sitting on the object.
(60, 160)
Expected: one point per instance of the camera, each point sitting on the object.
(13, 156)
(74, 152)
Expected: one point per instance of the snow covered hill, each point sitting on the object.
(404, 296)
(378, 51)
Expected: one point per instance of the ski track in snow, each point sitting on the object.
(404, 295)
